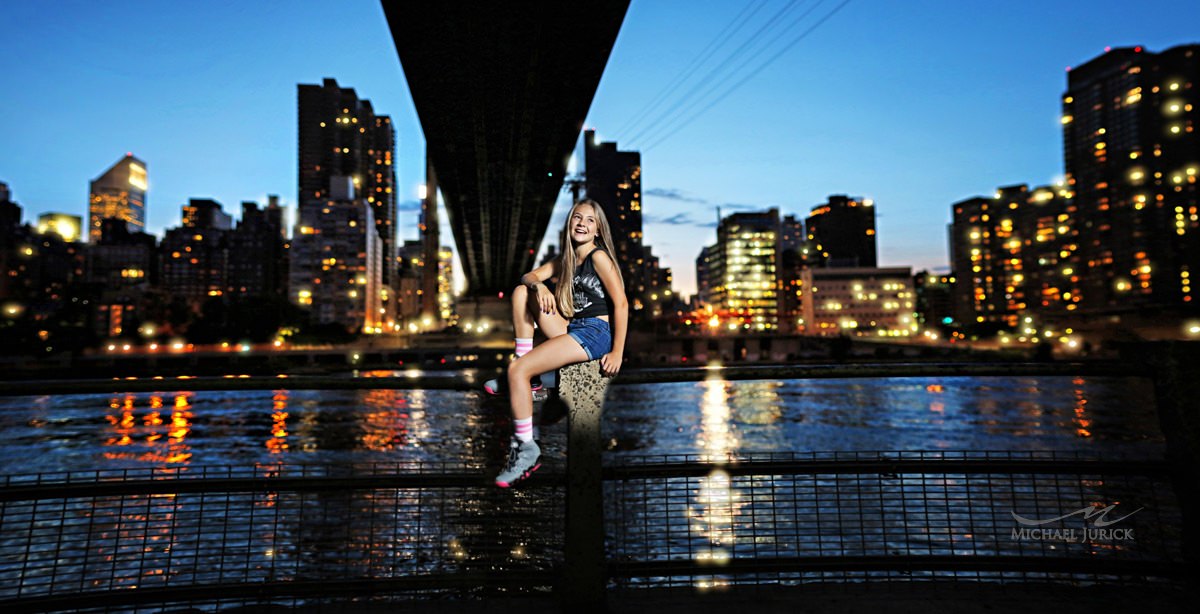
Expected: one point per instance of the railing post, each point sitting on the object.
(1176, 373)
(582, 387)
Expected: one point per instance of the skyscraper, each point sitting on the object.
(343, 250)
(120, 192)
(1132, 158)
(842, 232)
(614, 179)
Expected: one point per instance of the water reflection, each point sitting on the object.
(156, 442)
(277, 442)
(1082, 421)
(715, 502)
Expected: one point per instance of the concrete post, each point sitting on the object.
(582, 387)
(1176, 369)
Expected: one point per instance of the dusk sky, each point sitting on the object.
(915, 104)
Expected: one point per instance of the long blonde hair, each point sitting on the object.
(564, 293)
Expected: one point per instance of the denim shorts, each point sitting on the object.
(593, 334)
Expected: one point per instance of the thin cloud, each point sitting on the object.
(674, 194)
(409, 205)
(679, 219)
(744, 207)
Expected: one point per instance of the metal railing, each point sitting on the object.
(291, 534)
(277, 533)
(706, 522)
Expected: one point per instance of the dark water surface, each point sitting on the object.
(1101, 416)
(119, 542)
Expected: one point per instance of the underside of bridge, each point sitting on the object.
(502, 90)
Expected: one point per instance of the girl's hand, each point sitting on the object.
(545, 299)
(610, 363)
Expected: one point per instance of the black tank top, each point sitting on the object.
(590, 298)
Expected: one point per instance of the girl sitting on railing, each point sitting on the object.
(584, 318)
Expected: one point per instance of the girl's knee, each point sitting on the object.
(516, 371)
(520, 295)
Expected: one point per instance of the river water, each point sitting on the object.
(105, 542)
(1096, 416)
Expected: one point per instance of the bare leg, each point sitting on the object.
(522, 316)
(525, 312)
(554, 353)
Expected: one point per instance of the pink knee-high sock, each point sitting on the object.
(523, 346)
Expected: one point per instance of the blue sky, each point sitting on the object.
(916, 104)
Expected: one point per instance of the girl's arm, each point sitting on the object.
(533, 280)
(610, 363)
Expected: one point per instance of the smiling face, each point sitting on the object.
(582, 226)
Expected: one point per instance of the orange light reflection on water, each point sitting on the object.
(125, 431)
(277, 442)
(1082, 421)
(385, 426)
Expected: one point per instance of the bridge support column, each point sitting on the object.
(582, 387)
(1176, 372)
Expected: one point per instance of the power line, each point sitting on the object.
(729, 91)
(737, 53)
(696, 63)
(668, 125)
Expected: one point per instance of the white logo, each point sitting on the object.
(1096, 515)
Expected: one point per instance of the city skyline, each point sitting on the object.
(914, 107)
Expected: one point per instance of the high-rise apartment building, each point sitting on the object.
(842, 232)
(1015, 254)
(793, 254)
(1132, 156)
(343, 251)
(614, 179)
(257, 265)
(195, 255)
(122, 259)
(120, 192)
(410, 268)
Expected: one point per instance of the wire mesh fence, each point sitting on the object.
(292, 535)
(296, 533)
(709, 522)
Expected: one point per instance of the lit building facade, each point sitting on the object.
(842, 232)
(445, 286)
(1015, 254)
(859, 301)
(1132, 157)
(342, 256)
(68, 227)
(120, 192)
(738, 275)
